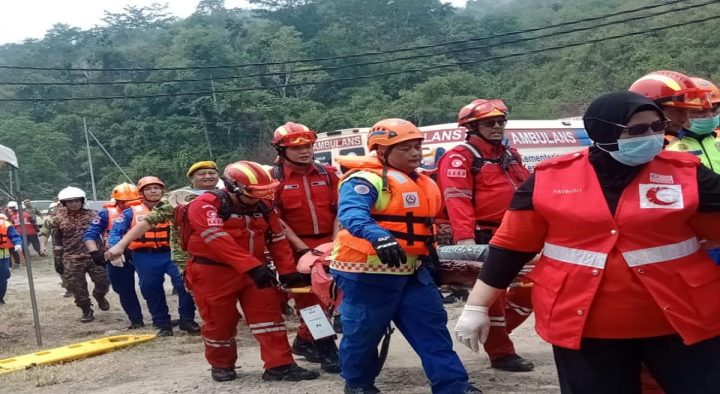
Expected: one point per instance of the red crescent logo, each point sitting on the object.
(662, 195)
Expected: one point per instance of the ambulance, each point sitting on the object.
(536, 140)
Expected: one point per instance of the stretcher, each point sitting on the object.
(71, 352)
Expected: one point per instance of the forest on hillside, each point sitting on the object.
(160, 93)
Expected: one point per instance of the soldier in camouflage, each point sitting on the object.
(72, 259)
(45, 234)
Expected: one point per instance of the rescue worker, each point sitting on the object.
(675, 93)
(622, 280)
(306, 199)
(152, 260)
(31, 227)
(478, 179)
(45, 234)
(9, 239)
(122, 278)
(226, 234)
(72, 258)
(381, 259)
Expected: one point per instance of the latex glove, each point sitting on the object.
(390, 252)
(467, 241)
(263, 276)
(114, 252)
(295, 279)
(18, 248)
(98, 257)
(473, 326)
(118, 262)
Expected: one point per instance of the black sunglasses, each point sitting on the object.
(640, 128)
(492, 122)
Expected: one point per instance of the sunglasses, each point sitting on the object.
(492, 122)
(640, 128)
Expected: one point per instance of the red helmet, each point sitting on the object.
(125, 192)
(293, 134)
(249, 178)
(481, 109)
(149, 180)
(672, 89)
(392, 131)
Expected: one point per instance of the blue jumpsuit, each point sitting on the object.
(122, 278)
(5, 260)
(151, 266)
(371, 301)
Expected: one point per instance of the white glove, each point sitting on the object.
(118, 262)
(18, 248)
(473, 326)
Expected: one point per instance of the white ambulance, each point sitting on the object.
(536, 140)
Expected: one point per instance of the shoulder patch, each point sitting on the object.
(96, 221)
(361, 189)
(119, 219)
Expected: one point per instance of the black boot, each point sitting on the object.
(337, 324)
(306, 349)
(472, 389)
(512, 363)
(223, 374)
(189, 326)
(87, 315)
(357, 390)
(103, 303)
(291, 373)
(330, 362)
(165, 331)
(135, 326)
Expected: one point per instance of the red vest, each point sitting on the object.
(649, 233)
(29, 228)
(308, 202)
(156, 237)
(5, 241)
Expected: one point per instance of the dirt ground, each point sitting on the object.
(177, 364)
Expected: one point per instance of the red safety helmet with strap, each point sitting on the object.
(481, 109)
(149, 180)
(672, 89)
(293, 134)
(249, 178)
(388, 132)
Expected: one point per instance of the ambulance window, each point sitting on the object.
(360, 151)
(324, 157)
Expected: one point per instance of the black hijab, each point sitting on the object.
(617, 107)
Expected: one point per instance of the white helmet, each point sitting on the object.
(71, 193)
(12, 205)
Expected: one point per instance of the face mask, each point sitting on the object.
(639, 150)
(704, 126)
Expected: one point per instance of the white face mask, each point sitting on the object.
(638, 150)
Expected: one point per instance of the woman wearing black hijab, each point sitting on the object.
(622, 280)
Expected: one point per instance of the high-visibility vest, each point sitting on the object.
(157, 237)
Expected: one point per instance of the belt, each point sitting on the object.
(205, 261)
(164, 249)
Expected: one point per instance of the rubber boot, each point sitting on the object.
(87, 315)
(223, 374)
(291, 373)
(189, 326)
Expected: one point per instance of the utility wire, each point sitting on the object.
(340, 57)
(334, 68)
(368, 76)
(110, 157)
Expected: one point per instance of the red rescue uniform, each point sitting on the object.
(481, 177)
(221, 252)
(622, 275)
(30, 226)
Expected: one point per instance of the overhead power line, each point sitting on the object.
(338, 67)
(368, 76)
(340, 57)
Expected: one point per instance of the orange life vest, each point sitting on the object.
(157, 237)
(5, 241)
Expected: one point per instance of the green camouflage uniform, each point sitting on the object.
(161, 213)
(68, 229)
(46, 231)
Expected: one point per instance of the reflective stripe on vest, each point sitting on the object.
(157, 237)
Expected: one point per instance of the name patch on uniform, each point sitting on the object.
(318, 183)
(661, 196)
(96, 221)
(361, 189)
(410, 200)
(658, 178)
(456, 173)
(290, 187)
(215, 221)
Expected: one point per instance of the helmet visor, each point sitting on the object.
(297, 139)
(488, 108)
(697, 98)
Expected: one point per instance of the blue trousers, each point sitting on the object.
(370, 302)
(4, 276)
(151, 269)
(122, 280)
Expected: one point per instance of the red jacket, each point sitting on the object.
(30, 226)
(650, 244)
(307, 202)
(239, 241)
(486, 192)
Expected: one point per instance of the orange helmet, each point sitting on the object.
(249, 178)
(672, 89)
(293, 134)
(125, 192)
(705, 84)
(388, 132)
(149, 180)
(481, 109)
